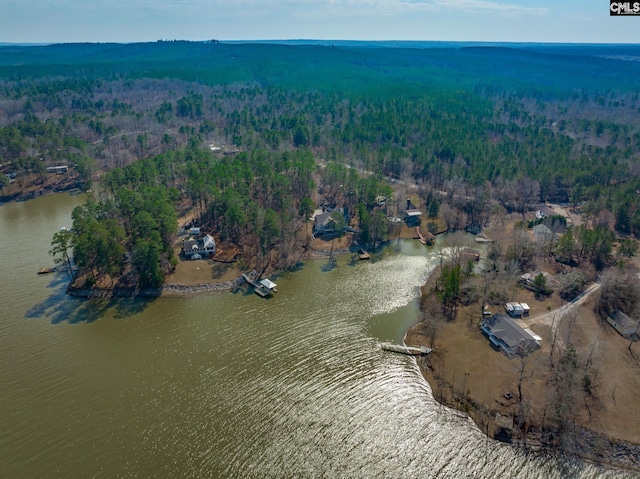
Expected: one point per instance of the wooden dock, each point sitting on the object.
(425, 240)
(483, 240)
(399, 348)
(362, 252)
(47, 270)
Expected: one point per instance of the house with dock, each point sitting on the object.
(412, 215)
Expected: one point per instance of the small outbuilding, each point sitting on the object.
(622, 323)
(517, 310)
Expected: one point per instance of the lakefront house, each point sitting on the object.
(205, 246)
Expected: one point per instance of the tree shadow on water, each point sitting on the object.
(329, 266)
(127, 307)
(243, 290)
(296, 267)
(59, 307)
(354, 260)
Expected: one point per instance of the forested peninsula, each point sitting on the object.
(277, 151)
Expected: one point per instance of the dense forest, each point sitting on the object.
(246, 133)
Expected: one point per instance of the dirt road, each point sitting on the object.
(547, 318)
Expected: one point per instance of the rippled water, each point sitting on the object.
(228, 385)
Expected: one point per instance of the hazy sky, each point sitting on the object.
(149, 20)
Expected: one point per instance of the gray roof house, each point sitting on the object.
(323, 223)
(507, 335)
(412, 214)
(542, 234)
(622, 323)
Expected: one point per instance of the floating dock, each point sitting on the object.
(46, 270)
(399, 348)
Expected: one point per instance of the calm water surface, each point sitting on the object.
(227, 385)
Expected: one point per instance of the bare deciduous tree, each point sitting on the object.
(618, 290)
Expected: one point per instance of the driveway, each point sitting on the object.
(547, 318)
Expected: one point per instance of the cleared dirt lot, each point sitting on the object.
(220, 269)
(203, 271)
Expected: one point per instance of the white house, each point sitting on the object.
(205, 246)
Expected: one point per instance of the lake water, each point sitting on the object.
(227, 385)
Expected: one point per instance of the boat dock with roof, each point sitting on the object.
(265, 288)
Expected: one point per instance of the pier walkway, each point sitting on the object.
(398, 348)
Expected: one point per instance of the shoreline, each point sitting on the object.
(585, 443)
(166, 291)
(22, 196)
(175, 290)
